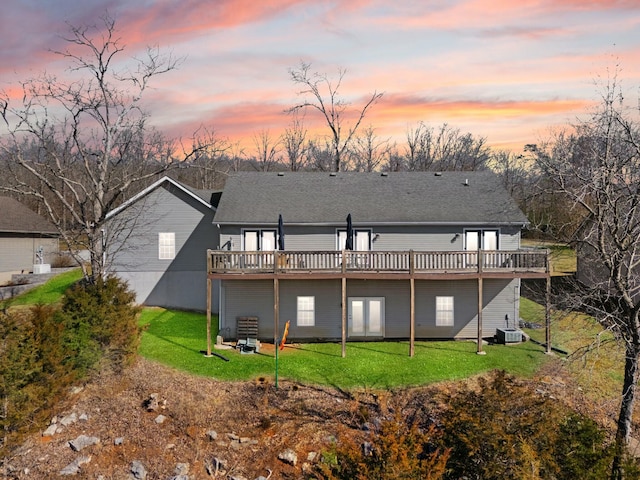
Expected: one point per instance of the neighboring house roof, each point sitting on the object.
(401, 198)
(18, 218)
(202, 196)
(212, 197)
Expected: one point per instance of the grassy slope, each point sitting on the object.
(563, 257)
(595, 360)
(48, 293)
(178, 339)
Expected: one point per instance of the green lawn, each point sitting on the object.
(594, 359)
(563, 257)
(48, 293)
(178, 339)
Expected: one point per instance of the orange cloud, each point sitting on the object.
(505, 124)
(412, 107)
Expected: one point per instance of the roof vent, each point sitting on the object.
(438, 174)
(384, 174)
(466, 182)
(281, 174)
(332, 174)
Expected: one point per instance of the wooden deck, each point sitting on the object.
(378, 264)
(398, 265)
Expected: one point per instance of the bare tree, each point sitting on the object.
(395, 161)
(444, 149)
(294, 143)
(204, 164)
(319, 156)
(470, 153)
(518, 177)
(267, 149)
(418, 150)
(369, 152)
(237, 157)
(322, 94)
(596, 166)
(82, 144)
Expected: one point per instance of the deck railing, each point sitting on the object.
(229, 262)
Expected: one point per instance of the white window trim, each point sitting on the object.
(445, 317)
(166, 245)
(308, 301)
(482, 231)
(260, 233)
(341, 236)
(366, 304)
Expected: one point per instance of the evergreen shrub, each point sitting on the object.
(505, 430)
(44, 350)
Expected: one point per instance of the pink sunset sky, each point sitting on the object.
(505, 70)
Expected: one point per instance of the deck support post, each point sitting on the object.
(547, 306)
(480, 303)
(209, 269)
(276, 311)
(412, 320)
(344, 317)
(208, 316)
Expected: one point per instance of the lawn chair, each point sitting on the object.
(247, 335)
(248, 345)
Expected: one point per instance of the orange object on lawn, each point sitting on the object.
(284, 335)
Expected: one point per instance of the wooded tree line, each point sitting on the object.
(425, 148)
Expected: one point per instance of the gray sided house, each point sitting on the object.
(22, 233)
(157, 242)
(428, 255)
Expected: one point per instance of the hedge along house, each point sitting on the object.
(157, 242)
(425, 255)
(26, 238)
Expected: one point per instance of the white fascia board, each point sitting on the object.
(149, 189)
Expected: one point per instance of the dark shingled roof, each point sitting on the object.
(17, 218)
(470, 198)
(212, 197)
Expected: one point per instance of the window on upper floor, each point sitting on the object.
(259, 240)
(361, 240)
(481, 239)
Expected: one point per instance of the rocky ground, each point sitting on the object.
(156, 423)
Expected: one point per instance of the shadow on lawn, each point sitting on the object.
(442, 345)
(377, 347)
(447, 346)
(368, 346)
(172, 342)
(301, 347)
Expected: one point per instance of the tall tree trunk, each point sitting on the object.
(626, 407)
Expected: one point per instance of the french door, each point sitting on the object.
(475, 240)
(366, 316)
